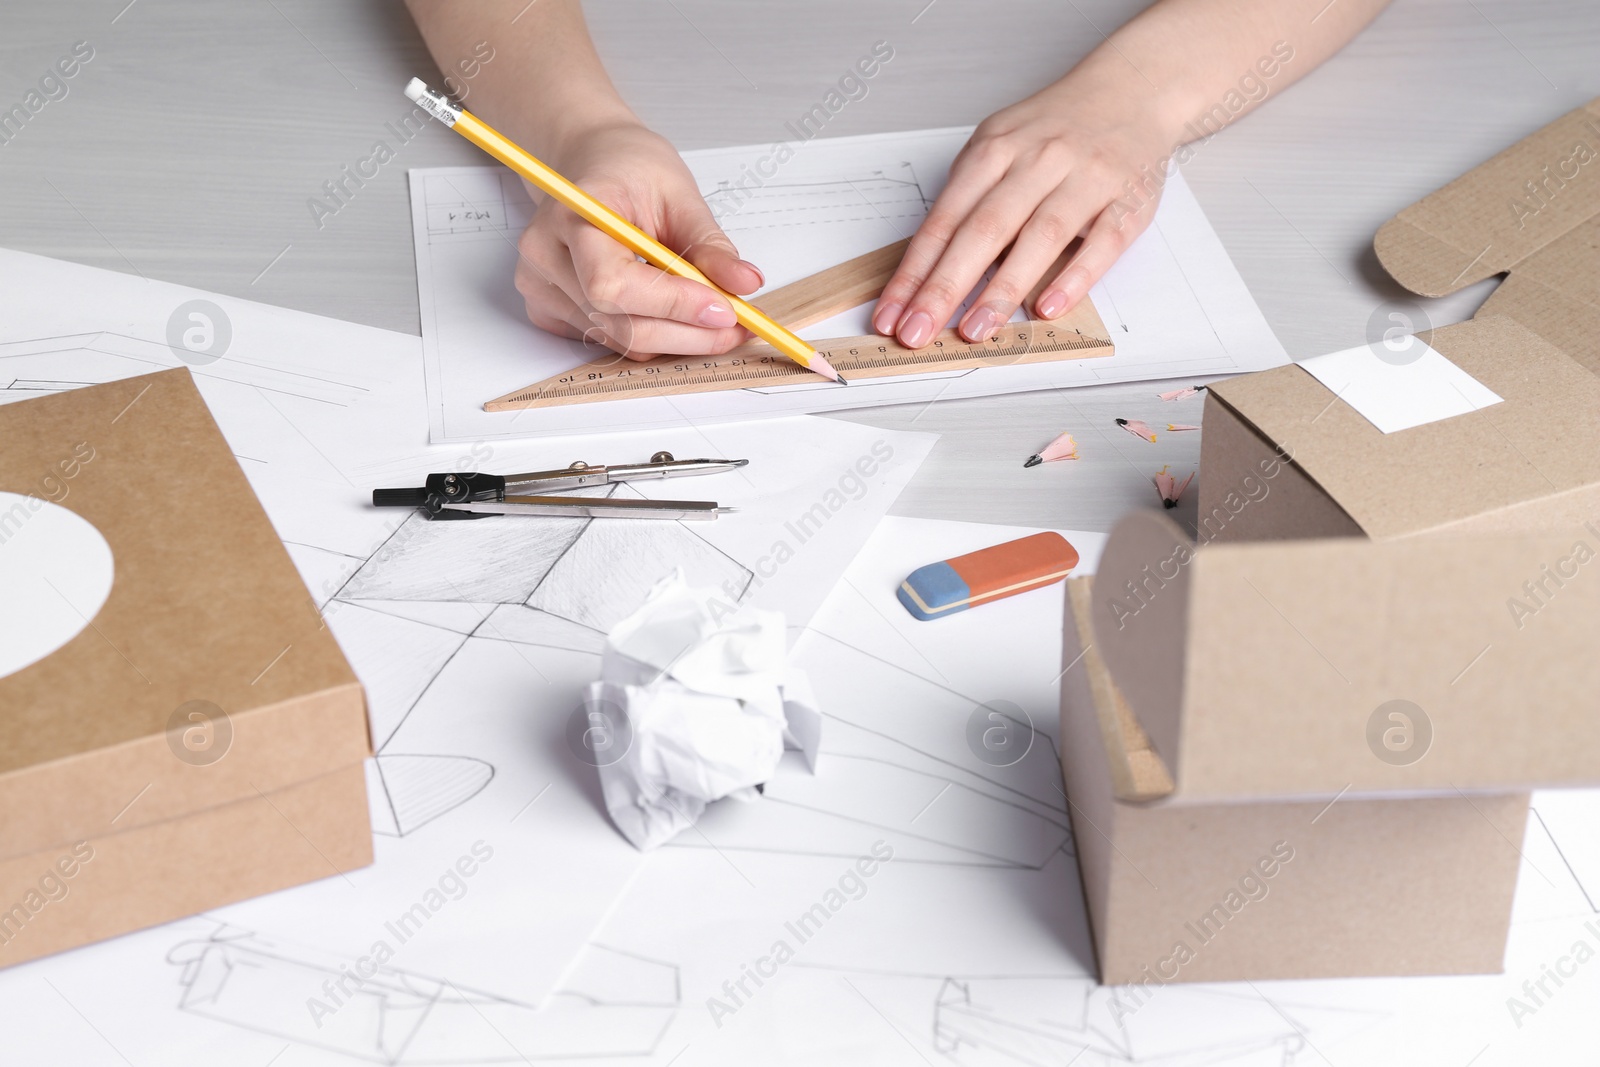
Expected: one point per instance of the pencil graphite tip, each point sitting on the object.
(1033, 460)
(819, 363)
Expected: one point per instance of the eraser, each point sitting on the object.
(944, 588)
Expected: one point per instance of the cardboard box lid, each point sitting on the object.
(205, 605)
(1501, 213)
(1270, 669)
(1532, 210)
(1531, 460)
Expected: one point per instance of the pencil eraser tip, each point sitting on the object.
(416, 89)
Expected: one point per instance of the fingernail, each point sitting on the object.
(718, 315)
(916, 330)
(979, 323)
(1051, 303)
(761, 279)
(887, 316)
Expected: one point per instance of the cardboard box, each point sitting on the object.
(1529, 462)
(1312, 758)
(1364, 887)
(201, 739)
(1304, 747)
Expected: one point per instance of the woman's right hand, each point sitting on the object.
(580, 283)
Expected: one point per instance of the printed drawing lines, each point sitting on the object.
(1052, 1020)
(614, 1003)
(465, 205)
(885, 195)
(420, 788)
(105, 356)
(896, 759)
(431, 589)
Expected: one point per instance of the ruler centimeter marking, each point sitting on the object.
(757, 364)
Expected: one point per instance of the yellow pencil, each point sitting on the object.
(609, 222)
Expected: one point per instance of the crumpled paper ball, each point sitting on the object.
(699, 697)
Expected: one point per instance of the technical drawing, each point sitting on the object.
(104, 356)
(892, 195)
(613, 1004)
(467, 204)
(419, 789)
(1057, 1020)
(557, 582)
(887, 767)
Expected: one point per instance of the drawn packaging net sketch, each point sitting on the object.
(432, 587)
(611, 1004)
(891, 740)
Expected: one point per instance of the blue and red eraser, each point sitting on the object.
(953, 585)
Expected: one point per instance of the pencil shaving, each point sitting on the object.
(1178, 426)
(1063, 447)
(1138, 429)
(1170, 488)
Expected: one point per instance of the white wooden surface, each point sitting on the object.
(188, 149)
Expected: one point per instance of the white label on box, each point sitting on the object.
(1396, 388)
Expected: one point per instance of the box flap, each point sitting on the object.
(1556, 293)
(1278, 669)
(206, 610)
(1137, 771)
(1505, 466)
(1501, 212)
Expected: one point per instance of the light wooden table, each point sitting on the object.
(189, 147)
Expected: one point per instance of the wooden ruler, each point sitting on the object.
(1077, 335)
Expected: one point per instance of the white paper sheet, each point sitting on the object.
(1396, 391)
(474, 640)
(1174, 303)
(970, 945)
(981, 879)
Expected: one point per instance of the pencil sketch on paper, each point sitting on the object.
(613, 1003)
(897, 762)
(987, 1019)
(105, 356)
(432, 588)
(419, 789)
(891, 195)
(491, 204)
(1003, 1020)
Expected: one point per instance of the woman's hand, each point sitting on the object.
(1077, 159)
(579, 283)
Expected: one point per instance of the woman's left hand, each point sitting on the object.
(1073, 160)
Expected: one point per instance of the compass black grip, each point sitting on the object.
(399, 498)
